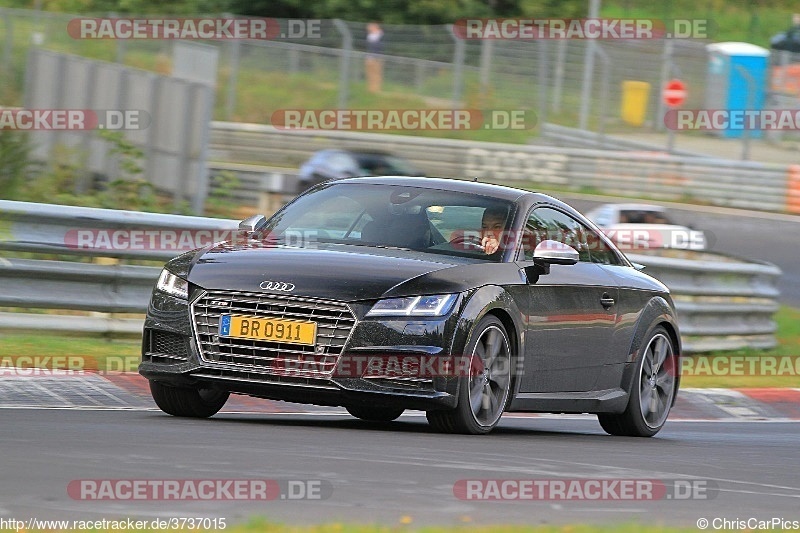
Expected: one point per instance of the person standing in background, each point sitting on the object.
(373, 63)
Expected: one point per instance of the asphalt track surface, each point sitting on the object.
(380, 473)
(748, 235)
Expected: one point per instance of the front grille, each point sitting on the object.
(266, 358)
(167, 347)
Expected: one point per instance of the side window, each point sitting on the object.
(545, 223)
(599, 251)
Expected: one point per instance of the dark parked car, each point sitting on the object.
(336, 164)
(458, 298)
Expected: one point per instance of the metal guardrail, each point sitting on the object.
(744, 184)
(577, 138)
(63, 229)
(722, 303)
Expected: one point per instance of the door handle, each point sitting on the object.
(606, 300)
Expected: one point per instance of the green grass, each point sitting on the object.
(99, 353)
(788, 336)
(73, 352)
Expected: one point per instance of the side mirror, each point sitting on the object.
(253, 224)
(638, 266)
(549, 253)
(555, 253)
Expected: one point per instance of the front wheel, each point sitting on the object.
(483, 394)
(185, 402)
(652, 392)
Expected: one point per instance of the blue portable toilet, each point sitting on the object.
(728, 87)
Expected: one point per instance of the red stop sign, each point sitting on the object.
(674, 93)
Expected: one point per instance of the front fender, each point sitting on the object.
(488, 299)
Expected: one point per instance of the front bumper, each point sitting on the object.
(171, 355)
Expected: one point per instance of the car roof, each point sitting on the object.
(450, 184)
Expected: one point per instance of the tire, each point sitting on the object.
(372, 413)
(484, 394)
(652, 392)
(193, 403)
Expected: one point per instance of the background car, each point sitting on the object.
(336, 164)
(787, 40)
(638, 227)
(363, 293)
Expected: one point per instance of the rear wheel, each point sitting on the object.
(652, 392)
(373, 413)
(482, 396)
(194, 403)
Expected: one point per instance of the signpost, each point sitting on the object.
(673, 95)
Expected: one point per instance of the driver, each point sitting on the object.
(493, 223)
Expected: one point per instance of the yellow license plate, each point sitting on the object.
(268, 329)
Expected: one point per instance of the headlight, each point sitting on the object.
(173, 285)
(436, 305)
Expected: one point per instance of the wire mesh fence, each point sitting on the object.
(422, 67)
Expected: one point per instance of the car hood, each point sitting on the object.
(343, 273)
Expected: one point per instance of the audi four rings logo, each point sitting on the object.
(277, 286)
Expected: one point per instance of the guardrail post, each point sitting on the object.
(588, 71)
(751, 90)
(486, 64)
(203, 172)
(458, 66)
(9, 44)
(543, 75)
(666, 72)
(234, 46)
(344, 65)
(558, 82)
(604, 85)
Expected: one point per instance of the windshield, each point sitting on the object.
(392, 216)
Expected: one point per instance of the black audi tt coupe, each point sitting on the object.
(461, 299)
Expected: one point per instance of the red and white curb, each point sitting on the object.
(58, 389)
